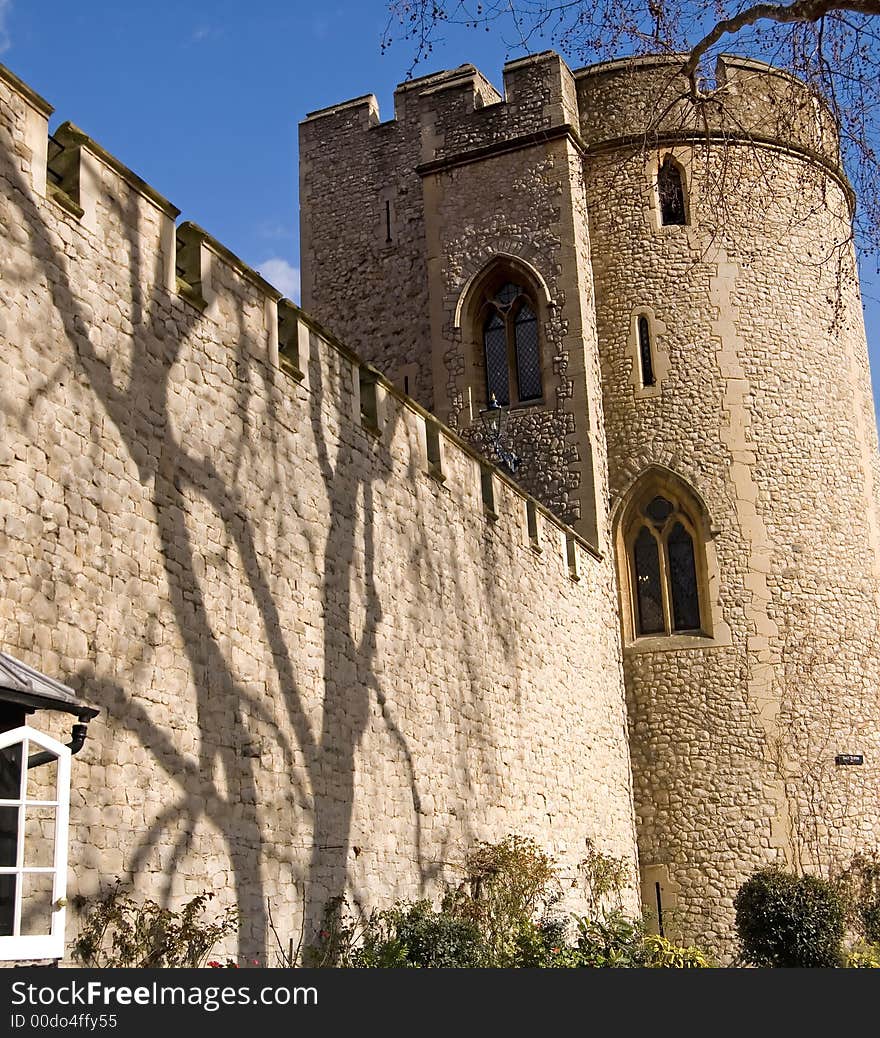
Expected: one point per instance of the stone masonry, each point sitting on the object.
(331, 645)
(761, 414)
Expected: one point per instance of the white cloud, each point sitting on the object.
(5, 11)
(282, 275)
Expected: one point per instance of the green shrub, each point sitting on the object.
(504, 914)
(788, 920)
(509, 888)
(120, 932)
(414, 935)
(864, 957)
(661, 953)
(859, 888)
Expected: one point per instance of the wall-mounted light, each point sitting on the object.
(494, 420)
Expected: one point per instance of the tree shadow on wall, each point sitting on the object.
(171, 472)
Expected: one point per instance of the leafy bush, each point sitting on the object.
(509, 888)
(502, 915)
(859, 887)
(119, 932)
(414, 935)
(788, 920)
(864, 957)
(615, 941)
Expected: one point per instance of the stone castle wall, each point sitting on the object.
(323, 664)
(460, 195)
(762, 408)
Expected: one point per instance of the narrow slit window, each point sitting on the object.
(434, 451)
(671, 193)
(571, 557)
(532, 524)
(369, 401)
(646, 358)
(487, 491)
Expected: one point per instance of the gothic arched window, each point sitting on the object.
(511, 346)
(670, 191)
(664, 568)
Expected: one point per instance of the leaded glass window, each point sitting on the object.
(512, 347)
(497, 374)
(528, 357)
(664, 570)
(683, 580)
(647, 574)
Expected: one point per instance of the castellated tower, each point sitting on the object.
(667, 300)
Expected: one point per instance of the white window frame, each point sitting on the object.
(51, 945)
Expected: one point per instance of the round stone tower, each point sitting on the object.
(743, 471)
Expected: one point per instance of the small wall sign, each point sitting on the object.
(849, 758)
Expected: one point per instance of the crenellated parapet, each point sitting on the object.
(649, 100)
(92, 190)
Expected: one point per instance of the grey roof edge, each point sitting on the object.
(22, 684)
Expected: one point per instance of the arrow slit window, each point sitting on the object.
(670, 191)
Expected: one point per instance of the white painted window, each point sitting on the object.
(34, 807)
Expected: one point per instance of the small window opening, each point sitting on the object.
(63, 175)
(645, 354)
(387, 221)
(188, 266)
(571, 558)
(435, 454)
(671, 193)
(532, 525)
(487, 491)
(288, 343)
(369, 400)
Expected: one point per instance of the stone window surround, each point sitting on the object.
(654, 167)
(715, 633)
(659, 354)
(469, 318)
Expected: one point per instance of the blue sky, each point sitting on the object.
(202, 99)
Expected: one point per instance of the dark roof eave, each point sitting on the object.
(32, 701)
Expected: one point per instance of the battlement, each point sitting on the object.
(630, 100)
(458, 111)
(87, 188)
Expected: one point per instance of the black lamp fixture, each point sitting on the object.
(494, 420)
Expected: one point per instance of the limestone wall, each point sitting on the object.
(469, 178)
(322, 666)
(763, 406)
